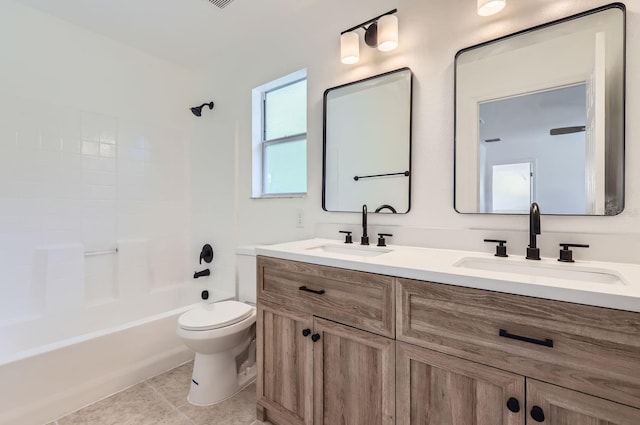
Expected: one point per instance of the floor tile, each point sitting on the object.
(138, 405)
(238, 410)
(174, 385)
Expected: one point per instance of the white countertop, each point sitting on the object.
(439, 265)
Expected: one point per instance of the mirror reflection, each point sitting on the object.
(540, 118)
(367, 144)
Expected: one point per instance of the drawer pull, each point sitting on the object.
(306, 332)
(313, 291)
(546, 342)
(315, 337)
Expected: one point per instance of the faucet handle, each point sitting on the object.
(566, 255)
(381, 241)
(347, 238)
(501, 249)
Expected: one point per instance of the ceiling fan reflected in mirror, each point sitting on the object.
(566, 130)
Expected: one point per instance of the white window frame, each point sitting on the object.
(259, 144)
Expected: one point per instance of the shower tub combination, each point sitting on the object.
(54, 365)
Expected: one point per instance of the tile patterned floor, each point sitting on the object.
(162, 400)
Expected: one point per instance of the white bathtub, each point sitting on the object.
(52, 366)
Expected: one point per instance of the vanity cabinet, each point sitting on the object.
(469, 341)
(285, 364)
(561, 406)
(439, 389)
(435, 388)
(312, 369)
(339, 346)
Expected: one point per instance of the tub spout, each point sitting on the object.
(204, 272)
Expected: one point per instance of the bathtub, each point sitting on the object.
(51, 366)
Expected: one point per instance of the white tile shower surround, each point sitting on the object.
(75, 181)
(162, 400)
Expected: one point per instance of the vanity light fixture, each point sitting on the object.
(490, 7)
(380, 32)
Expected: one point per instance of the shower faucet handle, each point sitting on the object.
(206, 254)
(501, 249)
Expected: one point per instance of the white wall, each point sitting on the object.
(430, 35)
(95, 154)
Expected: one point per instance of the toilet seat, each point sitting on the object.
(214, 316)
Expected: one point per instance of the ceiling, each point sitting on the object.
(533, 114)
(186, 32)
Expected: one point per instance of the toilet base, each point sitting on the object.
(215, 378)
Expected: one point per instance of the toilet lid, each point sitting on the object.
(214, 316)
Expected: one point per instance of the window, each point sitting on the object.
(279, 155)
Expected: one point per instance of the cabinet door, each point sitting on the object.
(438, 389)
(552, 405)
(285, 365)
(354, 376)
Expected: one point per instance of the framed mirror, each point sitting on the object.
(539, 117)
(367, 144)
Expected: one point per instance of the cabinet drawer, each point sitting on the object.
(590, 349)
(362, 300)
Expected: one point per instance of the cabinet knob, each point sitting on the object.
(306, 332)
(315, 337)
(537, 414)
(513, 405)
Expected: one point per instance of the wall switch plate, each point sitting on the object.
(299, 218)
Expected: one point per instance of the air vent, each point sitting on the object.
(220, 3)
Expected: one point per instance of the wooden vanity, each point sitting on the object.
(338, 346)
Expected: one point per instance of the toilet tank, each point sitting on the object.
(246, 273)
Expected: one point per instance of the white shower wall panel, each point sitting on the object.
(95, 181)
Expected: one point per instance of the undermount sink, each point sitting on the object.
(533, 268)
(357, 251)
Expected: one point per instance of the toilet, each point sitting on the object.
(222, 334)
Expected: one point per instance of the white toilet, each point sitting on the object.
(222, 334)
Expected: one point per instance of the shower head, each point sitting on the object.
(197, 110)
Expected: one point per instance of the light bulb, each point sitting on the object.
(349, 48)
(490, 7)
(387, 33)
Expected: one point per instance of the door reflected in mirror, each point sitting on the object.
(540, 118)
(533, 147)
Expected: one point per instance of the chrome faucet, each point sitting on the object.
(364, 240)
(533, 252)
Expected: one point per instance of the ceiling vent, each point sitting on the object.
(220, 3)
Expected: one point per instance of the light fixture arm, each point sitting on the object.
(370, 21)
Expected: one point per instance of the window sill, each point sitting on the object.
(281, 196)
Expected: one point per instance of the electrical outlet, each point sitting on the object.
(299, 218)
